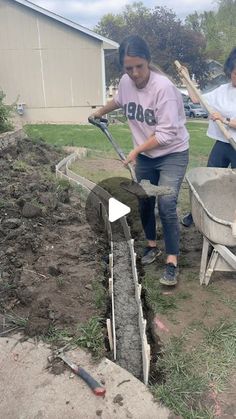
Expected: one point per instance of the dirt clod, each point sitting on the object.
(30, 210)
(118, 399)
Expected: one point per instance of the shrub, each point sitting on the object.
(5, 114)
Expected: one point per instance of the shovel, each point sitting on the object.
(143, 189)
(189, 83)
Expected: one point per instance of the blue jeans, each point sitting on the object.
(167, 170)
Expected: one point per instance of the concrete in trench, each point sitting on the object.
(128, 339)
(29, 391)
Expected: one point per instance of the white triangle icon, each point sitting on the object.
(116, 209)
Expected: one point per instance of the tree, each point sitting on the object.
(207, 24)
(117, 27)
(168, 38)
(174, 41)
(226, 18)
(218, 28)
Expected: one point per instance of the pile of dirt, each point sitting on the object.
(49, 257)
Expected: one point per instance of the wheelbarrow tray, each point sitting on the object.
(213, 203)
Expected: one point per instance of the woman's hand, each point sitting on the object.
(183, 71)
(131, 158)
(150, 144)
(109, 107)
(216, 116)
(95, 115)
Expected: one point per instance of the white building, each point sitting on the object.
(53, 67)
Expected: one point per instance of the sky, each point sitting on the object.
(88, 12)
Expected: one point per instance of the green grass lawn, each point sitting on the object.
(80, 136)
(91, 137)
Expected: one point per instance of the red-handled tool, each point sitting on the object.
(92, 383)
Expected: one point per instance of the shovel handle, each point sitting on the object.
(102, 123)
(98, 122)
(203, 102)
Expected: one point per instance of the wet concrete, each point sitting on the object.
(129, 351)
(145, 188)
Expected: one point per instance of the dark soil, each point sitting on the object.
(49, 256)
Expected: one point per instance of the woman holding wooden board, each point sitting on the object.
(221, 102)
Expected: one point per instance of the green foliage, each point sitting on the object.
(5, 114)
(56, 336)
(93, 138)
(218, 28)
(16, 320)
(200, 144)
(21, 166)
(190, 375)
(220, 335)
(81, 136)
(227, 300)
(158, 301)
(168, 38)
(63, 184)
(211, 34)
(91, 337)
(100, 294)
(155, 299)
(60, 282)
(226, 18)
(183, 386)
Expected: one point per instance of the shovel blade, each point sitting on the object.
(146, 189)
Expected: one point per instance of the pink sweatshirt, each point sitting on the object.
(156, 109)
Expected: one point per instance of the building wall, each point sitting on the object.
(54, 70)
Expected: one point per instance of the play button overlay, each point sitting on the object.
(116, 210)
(118, 202)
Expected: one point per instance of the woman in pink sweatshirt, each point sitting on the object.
(155, 113)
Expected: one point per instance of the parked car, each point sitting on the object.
(194, 110)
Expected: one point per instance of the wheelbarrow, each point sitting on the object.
(213, 204)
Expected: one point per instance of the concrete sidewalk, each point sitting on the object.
(29, 391)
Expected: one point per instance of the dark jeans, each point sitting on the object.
(222, 155)
(168, 170)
